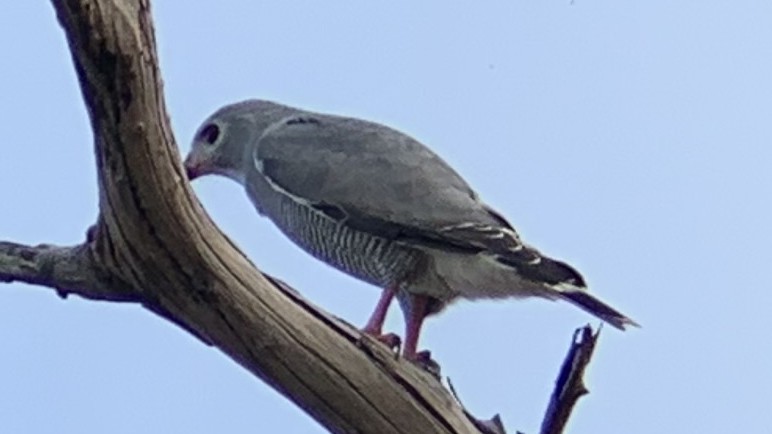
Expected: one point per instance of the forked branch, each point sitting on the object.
(154, 244)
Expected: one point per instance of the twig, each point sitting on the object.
(569, 386)
(490, 426)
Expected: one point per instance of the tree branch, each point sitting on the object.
(569, 386)
(66, 269)
(154, 236)
(154, 244)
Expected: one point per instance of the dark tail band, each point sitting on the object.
(588, 302)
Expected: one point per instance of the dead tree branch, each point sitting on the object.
(569, 386)
(153, 244)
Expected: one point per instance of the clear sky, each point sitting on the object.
(631, 139)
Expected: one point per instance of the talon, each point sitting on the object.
(425, 361)
(423, 356)
(391, 340)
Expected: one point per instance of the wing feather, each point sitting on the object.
(380, 181)
(368, 170)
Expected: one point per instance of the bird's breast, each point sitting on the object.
(371, 258)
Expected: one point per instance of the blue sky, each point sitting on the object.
(631, 139)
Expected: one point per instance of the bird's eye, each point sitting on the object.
(209, 134)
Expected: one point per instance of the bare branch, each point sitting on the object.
(154, 237)
(69, 270)
(154, 244)
(569, 386)
(493, 425)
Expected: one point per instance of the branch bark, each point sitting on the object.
(154, 244)
(154, 238)
(66, 269)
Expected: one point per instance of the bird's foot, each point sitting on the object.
(421, 358)
(425, 361)
(391, 340)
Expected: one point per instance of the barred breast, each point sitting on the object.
(375, 260)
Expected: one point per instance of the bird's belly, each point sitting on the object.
(370, 258)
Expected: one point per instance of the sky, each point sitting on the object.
(631, 139)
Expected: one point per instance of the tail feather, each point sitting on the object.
(595, 306)
(566, 282)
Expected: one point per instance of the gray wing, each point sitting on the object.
(376, 179)
(368, 168)
(371, 173)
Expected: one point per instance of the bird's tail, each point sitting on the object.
(564, 281)
(592, 304)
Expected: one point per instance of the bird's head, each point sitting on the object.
(222, 145)
(218, 147)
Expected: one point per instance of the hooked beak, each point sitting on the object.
(191, 168)
(191, 172)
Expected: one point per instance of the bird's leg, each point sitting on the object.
(374, 325)
(414, 318)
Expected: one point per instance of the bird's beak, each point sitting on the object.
(191, 168)
(191, 172)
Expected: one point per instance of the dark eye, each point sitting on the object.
(209, 134)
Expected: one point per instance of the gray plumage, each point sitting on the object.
(380, 206)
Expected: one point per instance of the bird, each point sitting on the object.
(382, 207)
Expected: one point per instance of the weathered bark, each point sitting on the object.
(153, 244)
